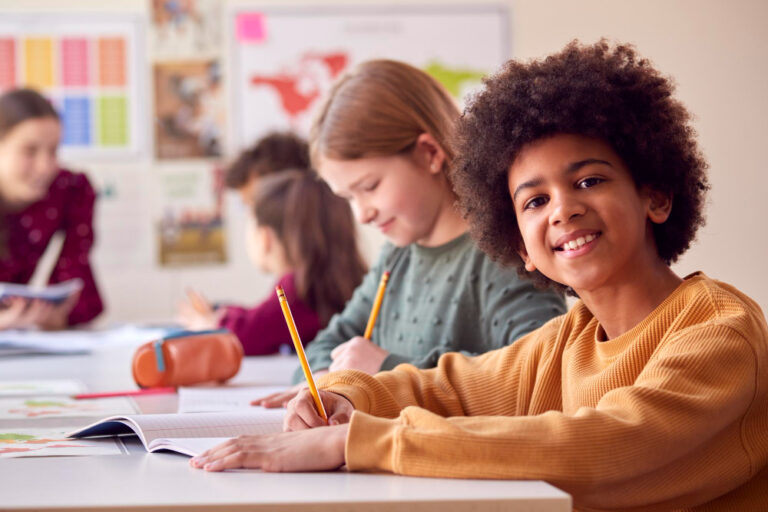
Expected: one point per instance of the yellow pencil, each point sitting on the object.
(376, 305)
(300, 351)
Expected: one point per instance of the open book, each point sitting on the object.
(189, 434)
(53, 293)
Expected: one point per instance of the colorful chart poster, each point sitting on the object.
(190, 227)
(285, 59)
(51, 442)
(189, 109)
(88, 67)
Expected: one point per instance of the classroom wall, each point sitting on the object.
(715, 50)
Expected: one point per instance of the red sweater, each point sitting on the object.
(67, 207)
(262, 329)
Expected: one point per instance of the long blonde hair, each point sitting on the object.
(380, 108)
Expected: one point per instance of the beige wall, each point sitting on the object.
(715, 50)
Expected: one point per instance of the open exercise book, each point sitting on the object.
(190, 434)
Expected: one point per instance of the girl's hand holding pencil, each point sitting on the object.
(358, 354)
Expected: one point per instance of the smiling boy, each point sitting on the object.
(650, 394)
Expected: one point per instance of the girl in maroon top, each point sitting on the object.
(38, 199)
(304, 233)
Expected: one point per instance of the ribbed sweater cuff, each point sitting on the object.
(371, 443)
(350, 384)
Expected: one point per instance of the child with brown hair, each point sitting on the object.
(651, 393)
(303, 233)
(381, 141)
(272, 153)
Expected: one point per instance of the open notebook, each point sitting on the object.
(189, 434)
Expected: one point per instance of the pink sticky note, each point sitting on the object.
(250, 28)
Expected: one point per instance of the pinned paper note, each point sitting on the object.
(250, 28)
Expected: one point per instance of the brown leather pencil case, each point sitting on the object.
(188, 358)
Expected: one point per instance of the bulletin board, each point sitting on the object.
(283, 60)
(89, 67)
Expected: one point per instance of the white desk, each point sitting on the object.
(162, 481)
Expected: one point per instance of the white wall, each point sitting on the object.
(716, 52)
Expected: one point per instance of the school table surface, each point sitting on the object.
(161, 481)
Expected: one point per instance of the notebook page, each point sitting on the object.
(191, 446)
(222, 398)
(214, 424)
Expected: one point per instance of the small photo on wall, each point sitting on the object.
(189, 109)
(185, 28)
(190, 228)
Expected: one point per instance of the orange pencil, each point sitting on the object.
(376, 305)
(300, 351)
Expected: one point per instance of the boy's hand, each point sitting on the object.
(358, 354)
(309, 450)
(302, 413)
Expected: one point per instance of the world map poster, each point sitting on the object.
(285, 60)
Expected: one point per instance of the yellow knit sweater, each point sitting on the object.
(672, 415)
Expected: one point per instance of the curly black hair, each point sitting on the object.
(601, 91)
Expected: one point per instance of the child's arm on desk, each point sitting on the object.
(316, 449)
(302, 447)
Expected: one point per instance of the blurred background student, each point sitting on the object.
(274, 152)
(305, 234)
(37, 200)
